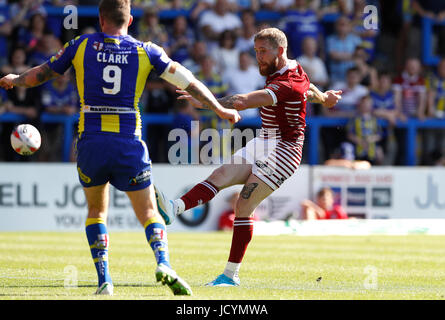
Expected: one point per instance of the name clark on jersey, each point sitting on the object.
(112, 58)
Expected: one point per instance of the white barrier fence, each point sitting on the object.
(48, 197)
(352, 227)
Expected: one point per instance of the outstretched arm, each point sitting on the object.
(259, 98)
(254, 99)
(30, 78)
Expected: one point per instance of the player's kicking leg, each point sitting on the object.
(143, 202)
(96, 230)
(225, 176)
(253, 192)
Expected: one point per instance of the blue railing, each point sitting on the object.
(411, 126)
(69, 122)
(428, 56)
(314, 125)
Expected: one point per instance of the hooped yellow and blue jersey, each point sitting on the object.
(111, 73)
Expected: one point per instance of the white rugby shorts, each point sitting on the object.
(273, 160)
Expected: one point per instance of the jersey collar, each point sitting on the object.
(290, 64)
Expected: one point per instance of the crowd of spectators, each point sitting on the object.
(379, 70)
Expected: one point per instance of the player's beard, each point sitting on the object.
(267, 68)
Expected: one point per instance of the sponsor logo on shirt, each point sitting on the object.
(98, 46)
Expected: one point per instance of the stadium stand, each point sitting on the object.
(158, 105)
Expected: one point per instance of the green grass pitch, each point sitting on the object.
(47, 265)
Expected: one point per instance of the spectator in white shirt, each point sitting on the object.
(312, 64)
(226, 55)
(244, 79)
(352, 90)
(216, 20)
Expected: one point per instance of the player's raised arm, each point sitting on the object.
(179, 76)
(327, 99)
(30, 78)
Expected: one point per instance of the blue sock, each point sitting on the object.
(157, 239)
(97, 235)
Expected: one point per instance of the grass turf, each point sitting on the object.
(42, 266)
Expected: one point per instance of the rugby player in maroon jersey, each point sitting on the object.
(267, 160)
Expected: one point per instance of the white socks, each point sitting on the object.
(232, 270)
(178, 206)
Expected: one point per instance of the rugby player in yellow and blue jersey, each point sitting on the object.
(111, 71)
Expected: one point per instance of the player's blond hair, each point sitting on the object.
(116, 12)
(275, 36)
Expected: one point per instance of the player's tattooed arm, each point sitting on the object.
(203, 95)
(229, 101)
(247, 190)
(314, 95)
(30, 78)
(254, 99)
(328, 99)
(206, 99)
(35, 76)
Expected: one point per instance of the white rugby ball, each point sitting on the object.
(25, 139)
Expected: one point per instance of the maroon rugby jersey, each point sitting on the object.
(285, 119)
